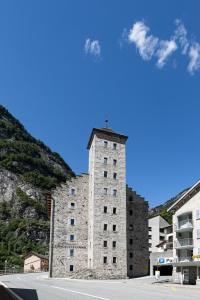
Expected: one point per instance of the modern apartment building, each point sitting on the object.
(99, 226)
(160, 245)
(186, 231)
(157, 234)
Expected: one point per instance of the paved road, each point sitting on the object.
(39, 287)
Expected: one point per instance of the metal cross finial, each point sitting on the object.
(106, 123)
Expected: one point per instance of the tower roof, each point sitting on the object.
(106, 132)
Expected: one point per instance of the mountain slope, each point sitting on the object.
(28, 169)
(162, 209)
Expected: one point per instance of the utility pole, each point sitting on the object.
(5, 271)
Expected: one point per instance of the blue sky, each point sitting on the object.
(60, 83)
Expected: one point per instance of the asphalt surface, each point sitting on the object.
(39, 287)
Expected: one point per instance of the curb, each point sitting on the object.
(12, 294)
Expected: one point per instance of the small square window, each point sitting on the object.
(131, 254)
(71, 237)
(130, 212)
(105, 259)
(131, 268)
(114, 210)
(105, 227)
(105, 209)
(114, 175)
(105, 161)
(131, 241)
(72, 222)
(73, 192)
(114, 162)
(114, 227)
(149, 237)
(105, 244)
(71, 252)
(114, 146)
(105, 174)
(105, 144)
(105, 191)
(71, 268)
(115, 193)
(131, 227)
(114, 260)
(72, 205)
(150, 228)
(114, 244)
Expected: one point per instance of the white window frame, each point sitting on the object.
(198, 214)
(114, 193)
(69, 252)
(105, 191)
(70, 205)
(72, 191)
(70, 237)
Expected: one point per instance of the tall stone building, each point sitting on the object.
(99, 226)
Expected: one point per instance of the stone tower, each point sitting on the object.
(107, 244)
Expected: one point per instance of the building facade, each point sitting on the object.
(157, 233)
(160, 246)
(35, 262)
(186, 231)
(99, 226)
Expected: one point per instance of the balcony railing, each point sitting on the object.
(183, 259)
(183, 243)
(184, 224)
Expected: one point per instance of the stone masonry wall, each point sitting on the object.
(99, 199)
(74, 191)
(137, 235)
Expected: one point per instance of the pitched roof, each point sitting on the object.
(107, 131)
(185, 196)
(36, 254)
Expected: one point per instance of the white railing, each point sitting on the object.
(183, 243)
(184, 259)
(184, 224)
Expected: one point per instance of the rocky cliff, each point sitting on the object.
(28, 170)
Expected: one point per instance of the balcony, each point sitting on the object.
(184, 225)
(186, 243)
(183, 259)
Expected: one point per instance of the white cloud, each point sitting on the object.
(92, 47)
(194, 55)
(150, 46)
(180, 35)
(146, 45)
(165, 49)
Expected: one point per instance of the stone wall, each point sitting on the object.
(98, 199)
(137, 235)
(74, 191)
